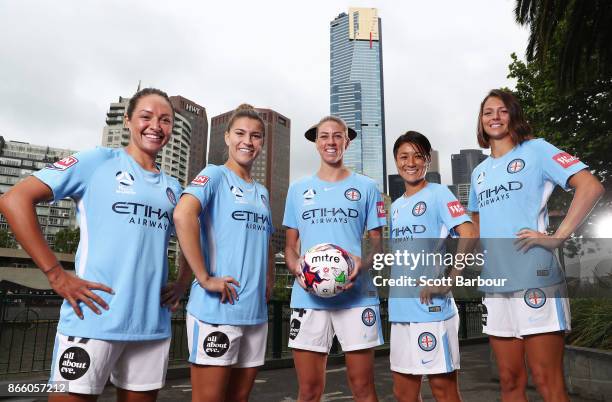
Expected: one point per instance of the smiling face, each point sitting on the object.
(411, 163)
(495, 118)
(244, 140)
(331, 142)
(150, 124)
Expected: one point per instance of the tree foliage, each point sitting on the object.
(579, 32)
(6, 239)
(66, 241)
(580, 121)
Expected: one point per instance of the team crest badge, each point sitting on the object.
(535, 298)
(419, 208)
(515, 166)
(171, 195)
(264, 200)
(352, 194)
(368, 317)
(427, 341)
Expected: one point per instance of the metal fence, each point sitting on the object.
(28, 324)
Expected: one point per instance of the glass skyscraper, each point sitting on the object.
(357, 89)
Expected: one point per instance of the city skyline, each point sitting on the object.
(438, 65)
(356, 89)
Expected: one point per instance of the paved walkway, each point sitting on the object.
(281, 384)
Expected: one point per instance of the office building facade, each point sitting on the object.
(19, 160)
(196, 115)
(271, 168)
(464, 163)
(356, 89)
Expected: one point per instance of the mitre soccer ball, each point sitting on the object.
(326, 269)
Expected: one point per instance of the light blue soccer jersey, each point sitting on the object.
(510, 193)
(235, 230)
(125, 219)
(418, 223)
(337, 213)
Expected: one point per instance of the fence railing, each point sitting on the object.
(28, 324)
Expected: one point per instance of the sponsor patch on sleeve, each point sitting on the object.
(566, 160)
(200, 180)
(455, 208)
(64, 163)
(380, 208)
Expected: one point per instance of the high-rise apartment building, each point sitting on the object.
(196, 115)
(271, 168)
(356, 89)
(462, 192)
(396, 186)
(19, 160)
(464, 163)
(175, 158)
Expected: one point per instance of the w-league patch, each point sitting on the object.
(200, 180)
(63, 164)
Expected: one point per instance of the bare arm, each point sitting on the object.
(588, 191)
(270, 274)
(18, 206)
(187, 226)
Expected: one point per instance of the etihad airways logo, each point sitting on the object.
(144, 215)
(498, 193)
(330, 215)
(254, 220)
(408, 231)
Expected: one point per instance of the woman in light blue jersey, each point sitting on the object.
(528, 316)
(125, 332)
(337, 206)
(424, 329)
(224, 224)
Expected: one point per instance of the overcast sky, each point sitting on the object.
(63, 62)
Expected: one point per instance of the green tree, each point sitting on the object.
(66, 241)
(578, 121)
(6, 239)
(576, 33)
